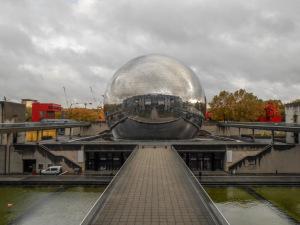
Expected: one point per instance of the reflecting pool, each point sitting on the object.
(285, 198)
(46, 205)
(241, 207)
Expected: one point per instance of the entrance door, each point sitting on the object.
(29, 165)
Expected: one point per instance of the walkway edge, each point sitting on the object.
(90, 216)
(215, 213)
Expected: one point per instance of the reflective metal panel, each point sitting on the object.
(154, 90)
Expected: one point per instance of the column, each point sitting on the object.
(9, 140)
(56, 135)
(70, 134)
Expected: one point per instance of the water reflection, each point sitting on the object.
(285, 198)
(239, 207)
(46, 205)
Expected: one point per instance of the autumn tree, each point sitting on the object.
(28, 114)
(84, 114)
(274, 110)
(238, 106)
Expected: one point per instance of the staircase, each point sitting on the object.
(251, 160)
(58, 159)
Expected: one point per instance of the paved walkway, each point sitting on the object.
(154, 188)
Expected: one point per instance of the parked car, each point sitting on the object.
(52, 170)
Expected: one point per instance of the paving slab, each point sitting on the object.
(154, 188)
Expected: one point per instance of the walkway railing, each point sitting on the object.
(213, 210)
(288, 127)
(30, 126)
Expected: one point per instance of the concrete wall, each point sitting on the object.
(17, 157)
(11, 112)
(232, 131)
(2, 159)
(292, 112)
(94, 129)
(211, 127)
(282, 161)
(238, 153)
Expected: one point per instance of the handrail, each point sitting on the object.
(213, 210)
(59, 157)
(36, 126)
(288, 127)
(249, 157)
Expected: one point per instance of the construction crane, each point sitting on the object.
(66, 98)
(93, 95)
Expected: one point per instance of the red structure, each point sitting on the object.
(208, 115)
(44, 111)
(272, 113)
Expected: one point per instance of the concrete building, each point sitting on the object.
(292, 115)
(11, 112)
(28, 102)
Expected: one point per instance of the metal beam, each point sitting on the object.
(287, 127)
(32, 126)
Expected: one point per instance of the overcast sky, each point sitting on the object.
(48, 44)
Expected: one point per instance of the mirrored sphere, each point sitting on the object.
(154, 97)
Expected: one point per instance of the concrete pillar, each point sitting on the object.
(227, 159)
(229, 131)
(273, 137)
(80, 131)
(9, 140)
(81, 158)
(70, 134)
(56, 134)
(37, 136)
(218, 131)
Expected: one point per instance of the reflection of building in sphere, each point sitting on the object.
(154, 97)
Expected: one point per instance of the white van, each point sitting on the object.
(52, 170)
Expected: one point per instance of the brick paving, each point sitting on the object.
(153, 189)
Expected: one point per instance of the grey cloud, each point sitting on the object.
(45, 45)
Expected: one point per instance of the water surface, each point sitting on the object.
(46, 205)
(285, 198)
(240, 207)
